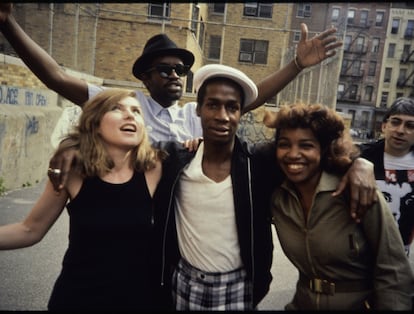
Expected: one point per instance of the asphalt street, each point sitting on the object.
(27, 275)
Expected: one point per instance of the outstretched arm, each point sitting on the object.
(39, 61)
(309, 52)
(33, 228)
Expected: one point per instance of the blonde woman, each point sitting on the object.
(109, 199)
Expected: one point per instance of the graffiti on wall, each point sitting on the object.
(252, 129)
(18, 96)
(32, 125)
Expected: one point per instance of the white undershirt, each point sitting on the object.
(206, 223)
(405, 162)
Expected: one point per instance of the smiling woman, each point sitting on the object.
(342, 265)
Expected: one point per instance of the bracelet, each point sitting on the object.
(297, 63)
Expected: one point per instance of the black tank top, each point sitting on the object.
(108, 262)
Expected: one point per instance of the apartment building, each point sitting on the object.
(362, 27)
(104, 39)
(397, 71)
(377, 62)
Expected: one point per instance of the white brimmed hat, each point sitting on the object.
(218, 70)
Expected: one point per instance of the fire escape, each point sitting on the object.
(351, 73)
(407, 58)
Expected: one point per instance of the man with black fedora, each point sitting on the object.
(161, 67)
(158, 46)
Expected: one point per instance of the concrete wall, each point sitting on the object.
(29, 114)
(27, 117)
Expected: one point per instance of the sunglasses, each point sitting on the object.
(395, 123)
(165, 70)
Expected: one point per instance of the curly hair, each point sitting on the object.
(338, 149)
(92, 158)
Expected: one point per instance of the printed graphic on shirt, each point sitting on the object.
(398, 191)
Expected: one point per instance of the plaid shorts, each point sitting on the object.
(194, 289)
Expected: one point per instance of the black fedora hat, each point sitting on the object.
(160, 45)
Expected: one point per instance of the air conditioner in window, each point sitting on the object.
(250, 11)
(245, 56)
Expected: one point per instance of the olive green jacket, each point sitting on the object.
(342, 265)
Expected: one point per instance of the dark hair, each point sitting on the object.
(402, 105)
(202, 90)
(337, 148)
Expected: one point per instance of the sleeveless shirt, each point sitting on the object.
(108, 261)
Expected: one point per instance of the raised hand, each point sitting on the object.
(320, 47)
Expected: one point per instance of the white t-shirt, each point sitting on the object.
(206, 222)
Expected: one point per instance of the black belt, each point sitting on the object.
(325, 286)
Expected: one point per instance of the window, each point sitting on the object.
(344, 66)
(351, 16)
(391, 51)
(296, 36)
(395, 26)
(406, 52)
(372, 68)
(387, 75)
(353, 91)
(194, 18)
(402, 77)
(379, 19)
(159, 10)
(364, 119)
(409, 30)
(356, 68)
(399, 95)
(384, 99)
(201, 34)
(406, 49)
(347, 42)
(218, 7)
(258, 9)
(363, 19)
(335, 15)
(215, 47)
(341, 89)
(368, 93)
(352, 113)
(304, 10)
(189, 83)
(253, 51)
(375, 45)
(360, 44)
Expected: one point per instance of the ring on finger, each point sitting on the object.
(54, 171)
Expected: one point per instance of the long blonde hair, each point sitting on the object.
(92, 158)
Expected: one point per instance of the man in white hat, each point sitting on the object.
(215, 223)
